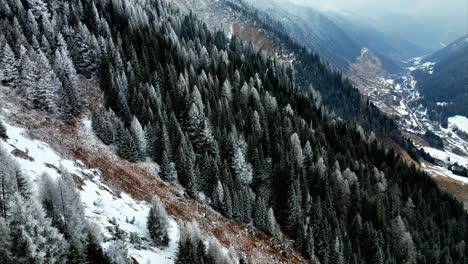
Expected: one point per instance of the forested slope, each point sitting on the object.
(235, 127)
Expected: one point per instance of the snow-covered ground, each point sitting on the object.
(102, 206)
(460, 122)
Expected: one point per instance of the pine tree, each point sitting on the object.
(118, 252)
(45, 96)
(167, 169)
(126, 146)
(139, 136)
(3, 131)
(75, 255)
(94, 252)
(261, 215)
(33, 236)
(102, 128)
(28, 78)
(38, 7)
(68, 203)
(8, 70)
(5, 243)
(158, 223)
(242, 168)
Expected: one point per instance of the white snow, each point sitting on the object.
(443, 171)
(447, 156)
(44, 159)
(461, 122)
(102, 206)
(401, 109)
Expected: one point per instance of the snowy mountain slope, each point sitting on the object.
(103, 207)
(115, 192)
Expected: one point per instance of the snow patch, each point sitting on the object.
(447, 156)
(460, 122)
(102, 206)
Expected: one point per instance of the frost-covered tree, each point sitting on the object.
(45, 93)
(8, 186)
(402, 242)
(3, 131)
(118, 252)
(261, 215)
(241, 166)
(139, 136)
(94, 252)
(226, 90)
(8, 69)
(102, 128)
(297, 149)
(5, 242)
(158, 223)
(127, 148)
(32, 234)
(38, 8)
(68, 203)
(28, 78)
(167, 168)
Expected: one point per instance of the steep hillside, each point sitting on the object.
(116, 194)
(445, 85)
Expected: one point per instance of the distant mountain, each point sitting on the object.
(364, 32)
(444, 84)
(339, 38)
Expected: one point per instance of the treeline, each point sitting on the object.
(225, 120)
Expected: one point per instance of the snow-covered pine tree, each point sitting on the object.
(8, 71)
(94, 252)
(185, 166)
(46, 95)
(3, 131)
(28, 78)
(5, 242)
(139, 135)
(32, 28)
(118, 252)
(34, 239)
(38, 7)
(167, 169)
(241, 167)
(261, 215)
(102, 128)
(158, 223)
(126, 146)
(68, 203)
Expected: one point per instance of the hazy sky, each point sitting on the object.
(457, 8)
(428, 23)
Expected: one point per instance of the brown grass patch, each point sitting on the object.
(21, 154)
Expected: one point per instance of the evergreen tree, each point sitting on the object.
(33, 236)
(3, 131)
(28, 78)
(126, 146)
(94, 252)
(8, 70)
(158, 223)
(102, 127)
(167, 169)
(5, 243)
(118, 252)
